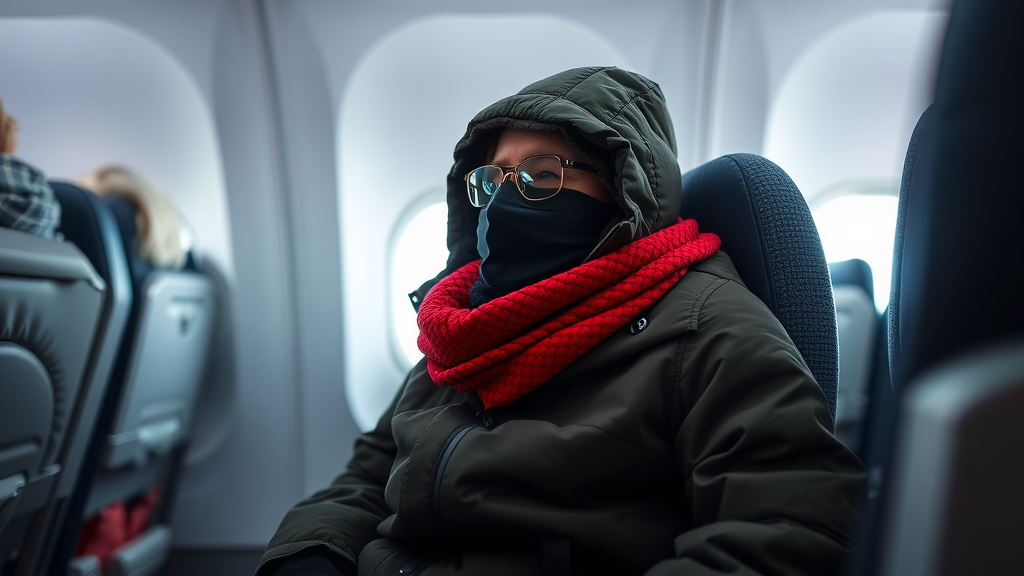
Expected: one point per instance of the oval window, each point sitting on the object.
(419, 252)
(405, 105)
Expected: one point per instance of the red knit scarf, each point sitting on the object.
(509, 346)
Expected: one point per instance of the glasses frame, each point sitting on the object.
(514, 173)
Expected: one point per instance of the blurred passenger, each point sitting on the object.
(27, 202)
(150, 224)
(601, 394)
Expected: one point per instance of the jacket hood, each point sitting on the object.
(608, 112)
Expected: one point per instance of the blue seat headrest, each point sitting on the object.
(767, 230)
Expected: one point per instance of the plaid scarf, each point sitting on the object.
(509, 346)
(27, 202)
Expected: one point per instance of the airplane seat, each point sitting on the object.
(163, 363)
(853, 272)
(87, 225)
(880, 427)
(877, 433)
(858, 325)
(158, 371)
(955, 297)
(913, 174)
(52, 314)
(767, 230)
(956, 503)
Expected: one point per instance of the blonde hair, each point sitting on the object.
(8, 128)
(160, 230)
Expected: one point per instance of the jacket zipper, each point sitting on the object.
(417, 566)
(446, 453)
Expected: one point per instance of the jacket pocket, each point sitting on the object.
(425, 441)
(383, 557)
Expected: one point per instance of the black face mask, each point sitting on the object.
(523, 242)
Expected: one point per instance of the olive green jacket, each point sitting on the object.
(692, 441)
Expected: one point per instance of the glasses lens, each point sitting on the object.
(482, 183)
(540, 177)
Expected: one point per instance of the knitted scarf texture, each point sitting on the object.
(509, 346)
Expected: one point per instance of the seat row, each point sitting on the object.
(101, 358)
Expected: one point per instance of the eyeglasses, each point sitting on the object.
(537, 178)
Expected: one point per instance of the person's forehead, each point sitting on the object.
(515, 145)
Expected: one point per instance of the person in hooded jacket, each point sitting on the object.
(600, 393)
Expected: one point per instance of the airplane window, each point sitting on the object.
(861, 226)
(847, 107)
(405, 104)
(89, 92)
(419, 253)
(843, 114)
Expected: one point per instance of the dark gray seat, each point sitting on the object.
(767, 230)
(162, 362)
(143, 429)
(51, 313)
(858, 322)
(87, 225)
(853, 272)
(954, 502)
(956, 316)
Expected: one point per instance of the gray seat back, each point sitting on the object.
(88, 224)
(858, 323)
(51, 304)
(164, 367)
(956, 501)
(146, 417)
(159, 372)
(958, 247)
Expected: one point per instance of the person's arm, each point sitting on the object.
(771, 489)
(335, 524)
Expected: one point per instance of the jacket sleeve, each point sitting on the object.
(342, 518)
(771, 489)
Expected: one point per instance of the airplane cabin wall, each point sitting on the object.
(274, 77)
